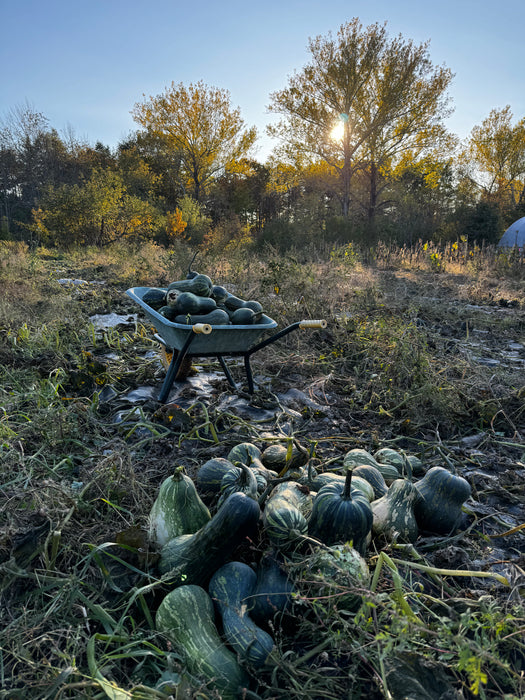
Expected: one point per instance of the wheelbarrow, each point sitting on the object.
(205, 340)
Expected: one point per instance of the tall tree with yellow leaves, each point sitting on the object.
(202, 127)
(361, 101)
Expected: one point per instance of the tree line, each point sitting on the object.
(362, 155)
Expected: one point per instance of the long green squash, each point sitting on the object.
(186, 617)
(194, 558)
(229, 588)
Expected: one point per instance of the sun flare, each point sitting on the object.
(338, 131)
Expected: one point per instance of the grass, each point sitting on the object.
(398, 365)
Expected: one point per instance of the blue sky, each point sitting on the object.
(85, 63)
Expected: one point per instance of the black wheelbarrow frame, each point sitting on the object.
(205, 340)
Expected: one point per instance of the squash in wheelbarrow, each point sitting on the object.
(217, 317)
(201, 285)
(155, 297)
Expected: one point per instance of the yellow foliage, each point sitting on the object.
(175, 224)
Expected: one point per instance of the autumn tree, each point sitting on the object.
(495, 151)
(201, 127)
(361, 102)
(95, 212)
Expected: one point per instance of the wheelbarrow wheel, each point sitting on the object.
(185, 370)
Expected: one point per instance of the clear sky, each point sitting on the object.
(85, 63)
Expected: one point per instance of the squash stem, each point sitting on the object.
(347, 491)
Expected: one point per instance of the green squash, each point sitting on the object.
(374, 478)
(177, 510)
(247, 453)
(344, 572)
(195, 558)
(386, 455)
(210, 474)
(358, 483)
(358, 457)
(284, 514)
(189, 303)
(218, 294)
(230, 587)
(341, 514)
(278, 457)
(240, 478)
(217, 317)
(155, 297)
(186, 617)
(273, 592)
(394, 512)
(441, 498)
(242, 317)
(200, 285)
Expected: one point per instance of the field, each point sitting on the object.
(424, 352)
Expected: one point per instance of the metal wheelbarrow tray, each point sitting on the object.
(203, 340)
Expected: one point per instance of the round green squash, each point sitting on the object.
(247, 453)
(278, 457)
(210, 474)
(186, 617)
(358, 456)
(343, 570)
(240, 478)
(341, 514)
(374, 478)
(358, 483)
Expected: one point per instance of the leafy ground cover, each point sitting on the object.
(424, 352)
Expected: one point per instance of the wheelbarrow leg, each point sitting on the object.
(176, 362)
(249, 376)
(226, 371)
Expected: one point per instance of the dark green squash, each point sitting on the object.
(358, 483)
(177, 510)
(209, 476)
(189, 303)
(218, 293)
(441, 498)
(278, 456)
(393, 513)
(186, 617)
(273, 592)
(155, 297)
(240, 478)
(374, 478)
(257, 309)
(217, 317)
(242, 317)
(230, 587)
(341, 514)
(247, 453)
(194, 558)
(233, 302)
(201, 285)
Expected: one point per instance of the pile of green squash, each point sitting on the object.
(220, 609)
(197, 300)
